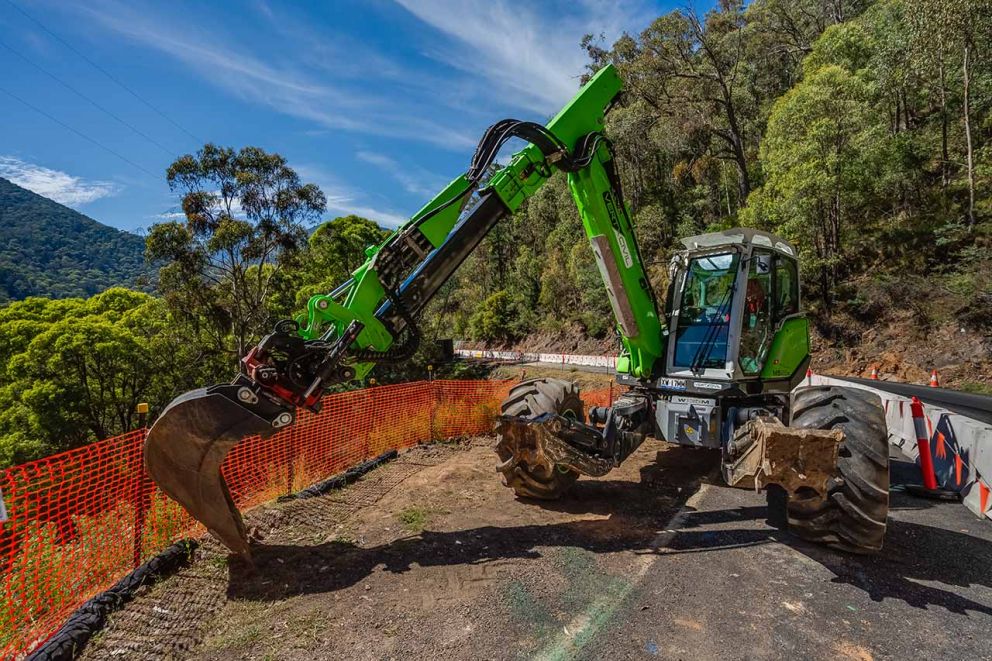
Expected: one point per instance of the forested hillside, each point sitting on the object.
(47, 249)
(858, 130)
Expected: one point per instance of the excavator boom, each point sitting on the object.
(372, 318)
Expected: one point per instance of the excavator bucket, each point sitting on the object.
(184, 450)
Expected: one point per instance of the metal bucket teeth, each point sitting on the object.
(183, 455)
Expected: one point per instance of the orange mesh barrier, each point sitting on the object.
(79, 521)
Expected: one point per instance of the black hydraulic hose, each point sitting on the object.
(485, 155)
(492, 141)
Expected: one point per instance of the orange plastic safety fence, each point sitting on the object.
(79, 521)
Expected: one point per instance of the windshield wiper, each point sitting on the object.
(713, 331)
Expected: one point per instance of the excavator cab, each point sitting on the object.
(734, 309)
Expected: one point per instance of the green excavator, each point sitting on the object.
(716, 365)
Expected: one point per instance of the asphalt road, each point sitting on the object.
(723, 584)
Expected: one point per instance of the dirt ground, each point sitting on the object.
(585, 379)
(426, 557)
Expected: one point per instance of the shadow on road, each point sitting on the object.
(915, 553)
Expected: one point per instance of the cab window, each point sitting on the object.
(786, 287)
(757, 320)
(704, 312)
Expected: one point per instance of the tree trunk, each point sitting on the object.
(966, 70)
(944, 159)
(905, 109)
(737, 144)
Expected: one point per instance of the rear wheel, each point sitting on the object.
(529, 399)
(852, 517)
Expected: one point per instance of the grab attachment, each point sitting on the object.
(186, 446)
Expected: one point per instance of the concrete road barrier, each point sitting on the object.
(961, 447)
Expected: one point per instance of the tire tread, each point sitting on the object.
(530, 399)
(853, 515)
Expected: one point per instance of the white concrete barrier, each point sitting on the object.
(551, 358)
(961, 446)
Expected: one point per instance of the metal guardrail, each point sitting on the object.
(978, 407)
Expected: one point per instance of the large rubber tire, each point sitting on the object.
(530, 399)
(852, 517)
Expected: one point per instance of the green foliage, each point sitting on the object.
(335, 248)
(245, 213)
(844, 128)
(48, 249)
(821, 155)
(74, 370)
(414, 517)
(862, 160)
(492, 320)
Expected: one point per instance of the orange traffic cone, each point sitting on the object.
(934, 382)
(874, 373)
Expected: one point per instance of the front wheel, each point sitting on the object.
(853, 515)
(530, 399)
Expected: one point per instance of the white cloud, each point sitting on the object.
(413, 179)
(343, 200)
(284, 80)
(385, 218)
(54, 184)
(533, 59)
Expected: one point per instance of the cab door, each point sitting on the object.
(758, 313)
(789, 350)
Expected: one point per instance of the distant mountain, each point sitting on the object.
(47, 249)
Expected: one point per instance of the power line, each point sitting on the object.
(81, 134)
(198, 141)
(75, 91)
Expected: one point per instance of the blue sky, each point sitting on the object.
(378, 102)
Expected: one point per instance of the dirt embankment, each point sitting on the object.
(584, 380)
(904, 350)
(570, 339)
(901, 348)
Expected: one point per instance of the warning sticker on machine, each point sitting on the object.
(704, 385)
